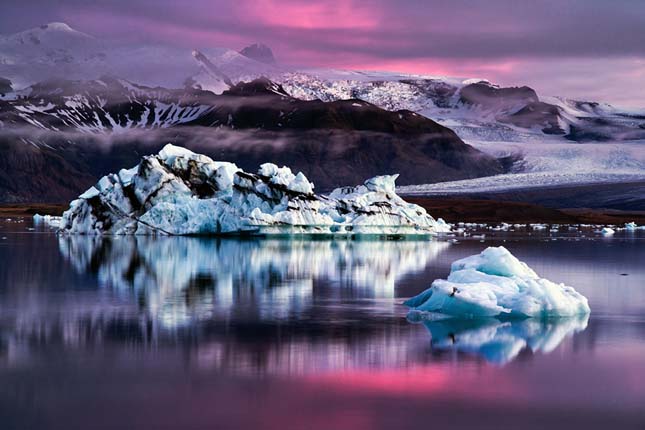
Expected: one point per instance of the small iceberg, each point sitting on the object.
(607, 231)
(496, 284)
(632, 226)
(48, 220)
(500, 342)
(179, 192)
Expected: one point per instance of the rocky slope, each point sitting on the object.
(99, 126)
(476, 109)
(259, 52)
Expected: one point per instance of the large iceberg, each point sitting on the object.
(496, 284)
(178, 192)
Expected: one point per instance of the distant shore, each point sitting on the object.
(491, 211)
(450, 209)
(30, 209)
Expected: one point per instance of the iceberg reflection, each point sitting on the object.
(498, 341)
(274, 306)
(179, 279)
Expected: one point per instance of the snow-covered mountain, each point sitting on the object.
(54, 45)
(56, 50)
(113, 104)
(61, 89)
(106, 104)
(475, 108)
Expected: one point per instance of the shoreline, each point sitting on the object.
(452, 210)
(496, 211)
(30, 209)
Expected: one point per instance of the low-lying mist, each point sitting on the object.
(72, 161)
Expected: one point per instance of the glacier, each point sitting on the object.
(495, 283)
(179, 192)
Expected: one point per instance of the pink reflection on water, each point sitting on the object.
(473, 380)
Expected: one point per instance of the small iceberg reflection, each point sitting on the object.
(497, 341)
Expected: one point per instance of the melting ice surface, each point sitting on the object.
(178, 192)
(495, 283)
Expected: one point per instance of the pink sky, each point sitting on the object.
(592, 49)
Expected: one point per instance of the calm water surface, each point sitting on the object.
(195, 333)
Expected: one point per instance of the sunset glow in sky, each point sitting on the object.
(593, 49)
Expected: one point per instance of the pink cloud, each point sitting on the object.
(308, 15)
(531, 45)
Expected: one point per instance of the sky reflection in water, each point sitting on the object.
(171, 320)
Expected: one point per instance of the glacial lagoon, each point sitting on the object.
(226, 333)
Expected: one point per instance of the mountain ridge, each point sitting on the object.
(470, 106)
(89, 128)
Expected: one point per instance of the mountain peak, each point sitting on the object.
(259, 86)
(59, 31)
(259, 52)
(57, 26)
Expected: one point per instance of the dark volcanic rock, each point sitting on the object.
(271, 108)
(39, 174)
(494, 98)
(540, 114)
(259, 52)
(5, 86)
(438, 91)
(257, 87)
(519, 106)
(603, 130)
